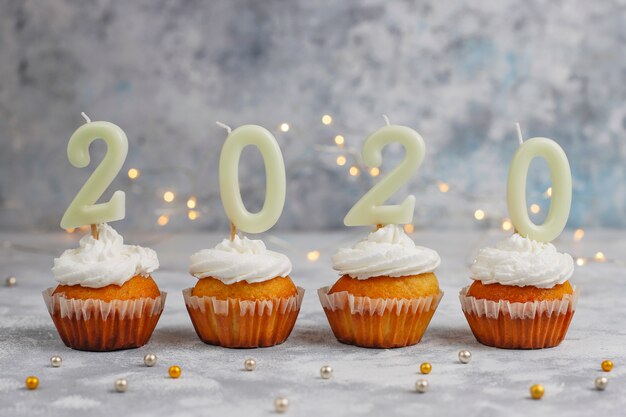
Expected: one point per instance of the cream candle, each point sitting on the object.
(275, 182)
(83, 209)
(561, 199)
(369, 209)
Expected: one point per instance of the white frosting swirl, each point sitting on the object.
(521, 261)
(387, 251)
(239, 260)
(103, 261)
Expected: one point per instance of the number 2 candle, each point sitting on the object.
(370, 209)
(83, 209)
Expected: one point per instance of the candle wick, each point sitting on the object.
(520, 138)
(94, 231)
(233, 231)
(225, 126)
(386, 120)
(87, 119)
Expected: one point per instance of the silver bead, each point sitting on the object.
(281, 404)
(421, 386)
(601, 383)
(56, 361)
(150, 359)
(465, 356)
(249, 364)
(11, 281)
(326, 371)
(121, 385)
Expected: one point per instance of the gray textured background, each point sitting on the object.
(166, 70)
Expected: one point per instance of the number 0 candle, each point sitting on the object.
(275, 182)
(83, 209)
(370, 209)
(561, 199)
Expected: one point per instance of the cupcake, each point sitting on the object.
(387, 292)
(106, 298)
(244, 297)
(521, 297)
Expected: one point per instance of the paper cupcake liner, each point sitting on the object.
(101, 326)
(530, 325)
(235, 323)
(377, 322)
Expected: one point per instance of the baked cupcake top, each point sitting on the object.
(521, 261)
(240, 259)
(387, 251)
(97, 263)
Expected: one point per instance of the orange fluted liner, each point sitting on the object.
(377, 322)
(235, 323)
(530, 325)
(100, 326)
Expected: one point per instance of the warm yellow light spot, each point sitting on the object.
(163, 220)
(191, 202)
(443, 186)
(284, 127)
(534, 208)
(374, 172)
(409, 228)
(193, 214)
(70, 230)
(599, 257)
(548, 192)
(326, 119)
(354, 171)
(313, 255)
(340, 140)
(507, 225)
(581, 261)
(341, 160)
(168, 196)
(479, 214)
(579, 234)
(133, 173)
(84, 228)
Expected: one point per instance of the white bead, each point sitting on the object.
(281, 404)
(56, 361)
(121, 385)
(326, 371)
(249, 364)
(11, 281)
(602, 382)
(421, 386)
(150, 359)
(465, 356)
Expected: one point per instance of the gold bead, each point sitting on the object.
(174, 371)
(607, 365)
(32, 382)
(281, 404)
(537, 391)
(425, 368)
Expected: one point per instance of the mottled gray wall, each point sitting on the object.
(461, 74)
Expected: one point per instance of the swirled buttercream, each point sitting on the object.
(97, 263)
(387, 251)
(239, 260)
(521, 261)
